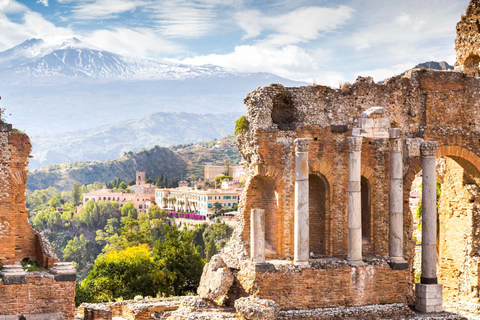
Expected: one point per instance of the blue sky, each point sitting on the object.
(322, 41)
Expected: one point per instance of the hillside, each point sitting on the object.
(181, 162)
(113, 140)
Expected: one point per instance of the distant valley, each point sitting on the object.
(113, 140)
(180, 162)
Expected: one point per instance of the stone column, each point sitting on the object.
(13, 274)
(354, 204)
(428, 293)
(301, 250)
(64, 271)
(257, 235)
(396, 201)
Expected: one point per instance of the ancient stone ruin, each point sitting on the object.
(325, 230)
(324, 218)
(47, 294)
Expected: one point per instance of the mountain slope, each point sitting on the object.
(181, 162)
(71, 86)
(112, 141)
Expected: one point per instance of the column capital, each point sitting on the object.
(355, 143)
(394, 133)
(396, 144)
(301, 144)
(428, 148)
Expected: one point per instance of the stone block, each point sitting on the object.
(398, 265)
(64, 271)
(428, 297)
(13, 274)
(264, 267)
(216, 281)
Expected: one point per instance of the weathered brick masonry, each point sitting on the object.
(34, 293)
(327, 284)
(41, 294)
(431, 105)
(19, 240)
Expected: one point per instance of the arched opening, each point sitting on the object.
(458, 195)
(318, 208)
(367, 245)
(470, 66)
(263, 195)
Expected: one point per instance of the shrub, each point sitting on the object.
(241, 125)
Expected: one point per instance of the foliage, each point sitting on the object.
(210, 251)
(126, 274)
(418, 213)
(219, 232)
(76, 193)
(179, 256)
(221, 178)
(129, 211)
(241, 125)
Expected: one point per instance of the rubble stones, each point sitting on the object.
(216, 281)
(257, 309)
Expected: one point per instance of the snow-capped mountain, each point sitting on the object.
(35, 59)
(72, 86)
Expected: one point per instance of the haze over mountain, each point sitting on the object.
(113, 140)
(54, 88)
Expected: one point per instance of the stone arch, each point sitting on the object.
(458, 171)
(262, 194)
(470, 65)
(319, 217)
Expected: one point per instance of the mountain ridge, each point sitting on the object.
(76, 87)
(113, 140)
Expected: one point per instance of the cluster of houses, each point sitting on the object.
(185, 198)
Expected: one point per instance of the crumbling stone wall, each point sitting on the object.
(18, 239)
(327, 284)
(467, 44)
(425, 104)
(41, 294)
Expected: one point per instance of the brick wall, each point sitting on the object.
(432, 105)
(19, 240)
(41, 294)
(328, 285)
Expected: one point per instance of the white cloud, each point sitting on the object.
(33, 25)
(291, 62)
(12, 6)
(300, 25)
(134, 42)
(44, 2)
(184, 19)
(104, 9)
(408, 22)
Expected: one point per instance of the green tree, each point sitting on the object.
(228, 163)
(211, 250)
(126, 273)
(76, 251)
(180, 257)
(217, 206)
(54, 202)
(219, 232)
(129, 211)
(76, 193)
